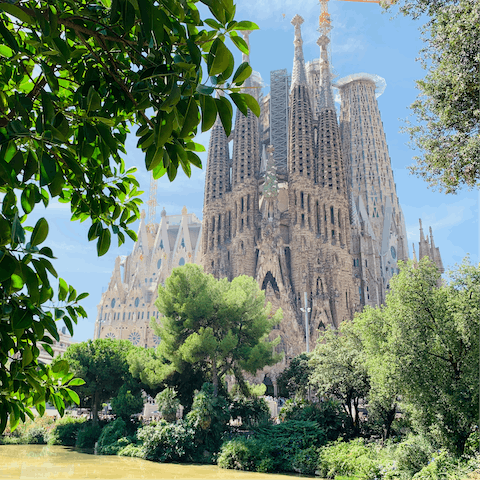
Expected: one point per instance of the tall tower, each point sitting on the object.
(379, 227)
(217, 221)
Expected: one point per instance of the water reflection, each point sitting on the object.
(55, 462)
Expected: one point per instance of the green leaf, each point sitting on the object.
(94, 102)
(218, 58)
(74, 396)
(239, 102)
(252, 104)
(192, 118)
(245, 25)
(103, 243)
(40, 232)
(48, 169)
(209, 112)
(7, 266)
(27, 356)
(17, 12)
(5, 232)
(40, 407)
(60, 367)
(28, 198)
(18, 233)
(242, 73)
(62, 289)
(82, 296)
(240, 43)
(76, 382)
(8, 37)
(226, 113)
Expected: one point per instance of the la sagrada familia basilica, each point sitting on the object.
(306, 204)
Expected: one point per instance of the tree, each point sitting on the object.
(372, 329)
(295, 378)
(103, 365)
(339, 370)
(429, 348)
(168, 404)
(219, 324)
(75, 75)
(127, 402)
(448, 106)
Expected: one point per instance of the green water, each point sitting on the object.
(55, 462)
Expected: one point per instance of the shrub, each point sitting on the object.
(414, 453)
(111, 433)
(305, 461)
(65, 431)
(353, 458)
(252, 411)
(168, 442)
(238, 454)
(88, 435)
(132, 450)
(128, 402)
(168, 404)
(329, 415)
(208, 418)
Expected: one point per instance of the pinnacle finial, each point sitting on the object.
(246, 34)
(299, 76)
(297, 20)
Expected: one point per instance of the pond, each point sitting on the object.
(56, 462)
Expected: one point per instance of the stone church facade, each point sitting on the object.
(128, 304)
(306, 203)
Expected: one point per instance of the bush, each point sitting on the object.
(111, 433)
(252, 411)
(329, 415)
(353, 458)
(168, 404)
(128, 402)
(305, 461)
(88, 436)
(132, 450)
(65, 431)
(168, 442)
(414, 453)
(208, 418)
(239, 454)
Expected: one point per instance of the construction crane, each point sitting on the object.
(325, 25)
(152, 204)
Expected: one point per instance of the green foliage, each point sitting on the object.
(65, 431)
(447, 109)
(88, 435)
(294, 380)
(305, 461)
(74, 76)
(30, 432)
(414, 453)
(329, 415)
(240, 454)
(253, 411)
(147, 365)
(339, 370)
(208, 418)
(109, 440)
(425, 341)
(103, 365)
(350, 459)
(220, 325)
(167, 442)
(168, 404)
(128, 402)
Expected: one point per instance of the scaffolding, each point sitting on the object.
(279, 94)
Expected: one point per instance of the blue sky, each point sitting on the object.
(363, 40)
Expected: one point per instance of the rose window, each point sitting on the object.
(156, 340)
(134, 337)
(110, 335)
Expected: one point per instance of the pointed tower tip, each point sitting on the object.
(164, 212)
(299, 76)
(184, 210)
(297, 20)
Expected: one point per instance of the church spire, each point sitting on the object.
(325, 99)
(299, 76)
(301, 147)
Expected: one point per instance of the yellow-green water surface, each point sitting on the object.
(55, 462)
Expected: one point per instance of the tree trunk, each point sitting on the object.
(215, 376)
(95, 408)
